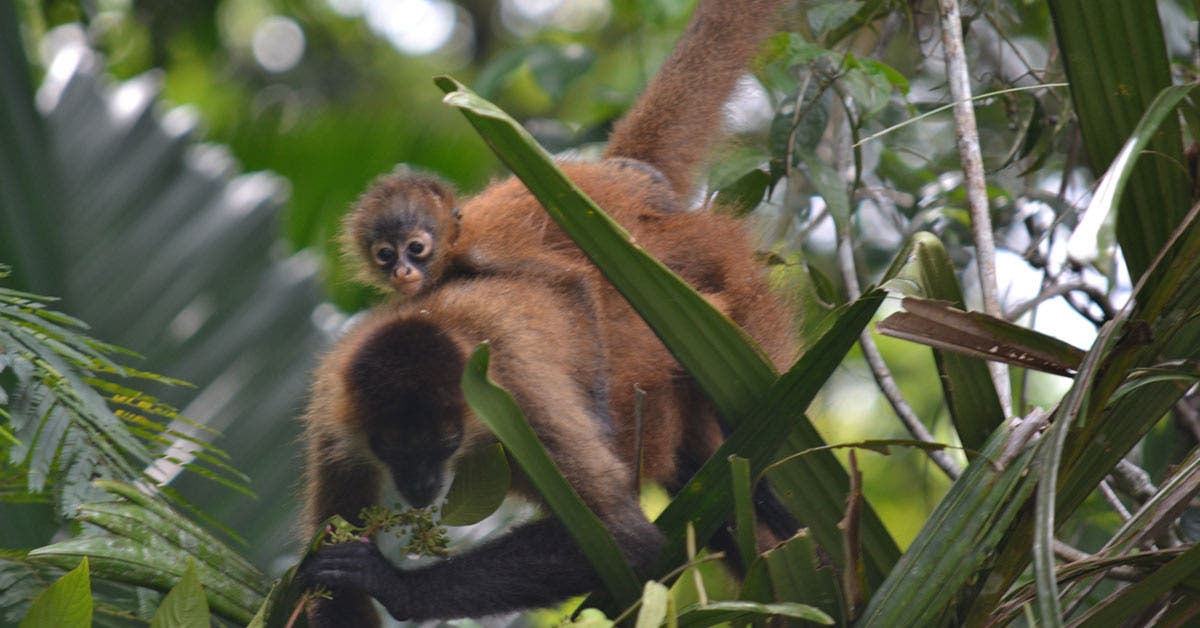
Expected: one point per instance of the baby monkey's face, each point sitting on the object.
(400, 227)
(403, 259)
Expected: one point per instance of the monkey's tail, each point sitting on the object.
(673, 123)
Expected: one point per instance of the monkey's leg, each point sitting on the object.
(535, 565)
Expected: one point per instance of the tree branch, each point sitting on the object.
(972, 162)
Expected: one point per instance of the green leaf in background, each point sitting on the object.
(496, 409)
(147, 544)
(185, 605)
(744, 194)
(1097, 230)
(1111, 89)
(481, 481)
(106, 191)
(798, 575)
(66, 604)
(923, 267)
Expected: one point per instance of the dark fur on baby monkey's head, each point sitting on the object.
(401, 228)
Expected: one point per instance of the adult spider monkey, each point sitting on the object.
(387, 398)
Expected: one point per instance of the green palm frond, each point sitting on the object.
(67, 419)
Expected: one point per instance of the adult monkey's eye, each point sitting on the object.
(385, 254)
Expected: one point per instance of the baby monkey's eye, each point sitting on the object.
(420, 247)
(385, 254)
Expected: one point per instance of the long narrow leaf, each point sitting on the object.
(758, 440)
(955, 544)
(1098, 226)
(1158, 328)
(497, 409)
(1129, 601)
(743, 510)
(1111, 89)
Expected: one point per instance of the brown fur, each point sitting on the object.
(564, 342)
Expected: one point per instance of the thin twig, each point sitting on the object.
(1055, 290)
(972, 162)
(1075, 555)
(1110, 496)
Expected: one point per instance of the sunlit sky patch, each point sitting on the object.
(414, 27)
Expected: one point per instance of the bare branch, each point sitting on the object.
(1074, 555)
(1110, 496)
(1133, 481)
(972, 162)
(1055, 290)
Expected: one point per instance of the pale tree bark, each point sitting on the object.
(972, 164)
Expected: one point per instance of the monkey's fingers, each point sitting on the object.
(357, 565)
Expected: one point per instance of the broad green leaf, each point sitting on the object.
(66, 604)
(656, 599)
(496, 409)
(743, 195)
(185, 605)
(481, 481)
(155, 565)
(1111, 89)
(734, 611)
(923, 268)
(829, 185)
